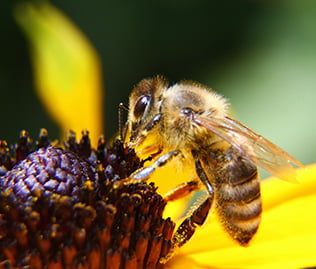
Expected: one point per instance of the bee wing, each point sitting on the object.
(253, 146)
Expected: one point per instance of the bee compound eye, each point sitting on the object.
(141, 105)
(187, 111)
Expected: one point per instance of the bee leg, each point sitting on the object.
(143, 174)
(203, 176)
(181, 190)
(153, 122)
(198, 217)
(149, 126)
(187, 228)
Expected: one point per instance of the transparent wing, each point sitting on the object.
(253, 146)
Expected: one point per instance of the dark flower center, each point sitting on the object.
(59, 209)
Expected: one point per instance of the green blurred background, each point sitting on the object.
(259, 54)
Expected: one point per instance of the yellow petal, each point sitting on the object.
(274, 191)
(66, 68)
(286, 237)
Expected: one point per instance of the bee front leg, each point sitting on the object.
(145, 130)
(143, 174)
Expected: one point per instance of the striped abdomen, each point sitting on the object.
(237, 195)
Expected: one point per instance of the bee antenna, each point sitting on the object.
(122, 127)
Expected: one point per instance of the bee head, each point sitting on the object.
(143, 101)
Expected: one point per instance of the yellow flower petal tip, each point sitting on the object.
(66, 68)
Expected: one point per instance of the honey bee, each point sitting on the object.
(191, 121)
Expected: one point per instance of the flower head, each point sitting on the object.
(59, 208)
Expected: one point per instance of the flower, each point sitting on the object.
(287, 234)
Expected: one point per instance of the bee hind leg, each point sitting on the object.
(187, 228)
(197, 218)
